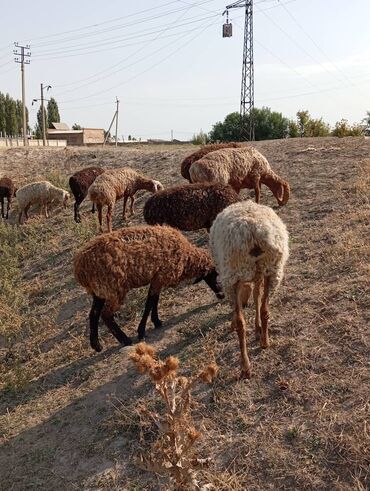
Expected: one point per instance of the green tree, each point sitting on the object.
(227, 131)
(293, 129)
(11, 116)
(343, 128)
(2, 115)
(303, 118)
(38, 125)
(52, 112)
(200, 139)
(76, 127)
(311, 127)
(366, 124)
(269, 125)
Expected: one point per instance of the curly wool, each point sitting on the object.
(110, 265)
(190, 206)
(186, 163)
(42, 193)
(240, 230)
(81, 180)
(240, 168)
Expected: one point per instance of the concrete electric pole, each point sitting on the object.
(43, 122)
(23, 60)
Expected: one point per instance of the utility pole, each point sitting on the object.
(115, 117)
(23, 60)
(117, 102)
(172, 135)
(247, 85)
(43, 122)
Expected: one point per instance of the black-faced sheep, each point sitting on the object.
(79, 183)
(186, 163)
(111, 265)
(42, 193)
(7, 191)
(249, 244)
(115, 184)
(241, 168)
(190, 206)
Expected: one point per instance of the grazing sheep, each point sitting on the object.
(249, 244)
(241, 168)
(79, 184)
(42, 193)
(115, 184)
(190, 206)
(111, 265)
(186, 163)
(7, 190)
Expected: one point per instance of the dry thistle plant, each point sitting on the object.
(172, 454)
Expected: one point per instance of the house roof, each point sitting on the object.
(60, 126)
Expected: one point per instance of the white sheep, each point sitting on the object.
(243, 167)
(115, 184)
(249, 244)
(42, 193)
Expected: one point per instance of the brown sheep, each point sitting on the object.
(186, 163)
(111, 265)
(8, 191)
(115, 184)
(240, 168)
(79, 183)
(190, 206)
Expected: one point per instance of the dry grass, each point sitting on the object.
(299, 423)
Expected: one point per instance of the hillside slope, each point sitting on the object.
(67, 414)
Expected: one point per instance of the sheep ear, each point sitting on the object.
(280, 192)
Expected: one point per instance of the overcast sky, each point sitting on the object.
(169, 66)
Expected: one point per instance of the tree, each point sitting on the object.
(76, 127)
(311, 127)
(11, 116)
(38, 125)
(366, 124)
(227, 131)
(303, 118)
(200, 139)
(2, 115)
(342, 128)
(52, 112)
(293, 129)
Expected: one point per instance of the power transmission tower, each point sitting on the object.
(43, 122)
(23, 60)
(247, 86)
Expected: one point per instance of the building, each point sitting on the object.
(85, 136)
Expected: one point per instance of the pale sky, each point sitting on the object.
(169, 66)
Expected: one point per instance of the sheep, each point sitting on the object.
(190, 206)
(7, 190)
(241, 168)
(115, 184)
(79, 183)
(249, 244)
(186, 163)
(112, 264)
(42, 193)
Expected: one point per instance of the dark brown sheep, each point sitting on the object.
(8, 191)
(112, 264)
(186, 164)
(190, 206)
(79, 184)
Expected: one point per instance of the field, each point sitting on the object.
(67, 415)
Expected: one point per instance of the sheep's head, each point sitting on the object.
(157, 186)
(211, 279)
(279, 188)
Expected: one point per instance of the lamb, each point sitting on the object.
(111, 265)
(186, 163)
(115, 184)
(42, 193)
(249, 244)
(8, 191)
(241, 168)
(190, 206)
(79, 183)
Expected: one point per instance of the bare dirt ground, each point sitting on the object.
(67, 418)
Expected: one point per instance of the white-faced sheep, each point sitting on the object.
(7, 191)
(111, 265)
(79, 184)
(241, 168)
(190, 206)
(249, 244)
(115, 184)
(190, 159)
(42, 193)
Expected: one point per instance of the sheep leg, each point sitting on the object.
(257, 189)
(20, 217)
(100, 216)
(46, 210)
(239, 324)
(132, 212)
(96, 308)
(154, 316)
(109, 217)
(125, 198)
(108, 319)
(78, 201)
(8, 208)
(151, 303)
(265, 313)
(93, 208)
(257, 296)
(2, 207)
(26, 211)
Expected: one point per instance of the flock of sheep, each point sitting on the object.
(248, 241)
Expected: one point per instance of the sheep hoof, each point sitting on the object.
(96, 346)
(158, 324)
(245, 373)
(126, 342)
(265, 343)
